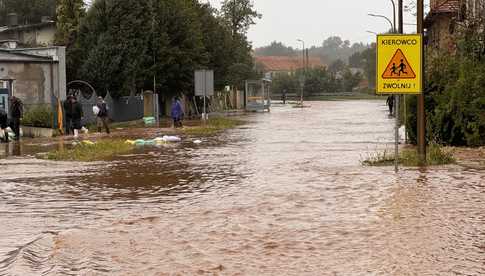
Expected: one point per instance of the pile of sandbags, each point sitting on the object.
(149, 121)
(157, 141)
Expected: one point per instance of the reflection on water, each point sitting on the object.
(285, 194)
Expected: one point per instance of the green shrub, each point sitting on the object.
(39, 116)
(454, 102)
(435, 155)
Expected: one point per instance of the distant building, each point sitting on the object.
(440, 24)
(32, 35)
(274, 65)
(442, 21)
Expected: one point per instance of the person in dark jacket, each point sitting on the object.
(390, 104)
(17, 108)
(77, 116)
(69, 113)
(4, 123)
(177, 112)
(102, 116)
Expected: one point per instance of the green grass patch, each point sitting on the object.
(435, 156)
(212, 126)
(101, 150)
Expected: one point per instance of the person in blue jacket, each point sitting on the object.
(177, 112)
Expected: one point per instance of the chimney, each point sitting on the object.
(12, 20)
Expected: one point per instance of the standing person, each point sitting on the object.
(76, 116)
(390, 104)
(68, 112)
(283, 96)
(17, 112)
(102, 118)
(177, 112)
(4, 123)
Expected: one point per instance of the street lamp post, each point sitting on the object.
(385, 17)
(304, 70)
(394, 14)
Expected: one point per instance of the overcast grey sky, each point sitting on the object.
(314, 20)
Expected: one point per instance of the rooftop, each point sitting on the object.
(27, 27)
(283, 63)
(441, 7)
(445, 6)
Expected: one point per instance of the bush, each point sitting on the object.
(39, 116)
(435, 156)
(454, 102)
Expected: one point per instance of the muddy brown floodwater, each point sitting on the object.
(284, 194)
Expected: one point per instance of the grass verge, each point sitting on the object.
(212, 126)
(101, 150)
(435, 155)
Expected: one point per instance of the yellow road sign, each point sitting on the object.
(399, 63)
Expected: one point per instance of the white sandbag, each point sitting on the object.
(96, 110)
(197, 142)
(172, 139)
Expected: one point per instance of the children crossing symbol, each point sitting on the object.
(399, 68)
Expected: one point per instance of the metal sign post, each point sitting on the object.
(396, 141)
(204, 87)
(399, 71)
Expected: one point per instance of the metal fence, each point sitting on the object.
(122, 109)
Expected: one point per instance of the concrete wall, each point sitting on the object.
(59, 55)
(40, 36)
(439, 35)
(32, 81)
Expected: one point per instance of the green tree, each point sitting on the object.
(179, 49)
(122, 46)
(350, 80)
(69, 15)
(275, 49)
(239, 15)
(29, 11)
(337, 66)
(114, 39)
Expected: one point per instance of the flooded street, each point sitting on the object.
(285, 194)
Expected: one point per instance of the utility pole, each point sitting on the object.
(401, 31)
(302, 82)
(400, 17)
(421, 111)
(394, 15)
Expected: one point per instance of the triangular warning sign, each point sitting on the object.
(399, 68)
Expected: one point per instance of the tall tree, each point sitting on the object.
(114, 39)
(69, 14)
(239, 15)
(276, 49)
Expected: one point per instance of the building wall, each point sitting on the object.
(440, 36)
(58, 54)
(32, 83)
(43, 36)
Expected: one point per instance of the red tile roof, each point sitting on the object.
(441, 7)
(277, 63)
(445, 6)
